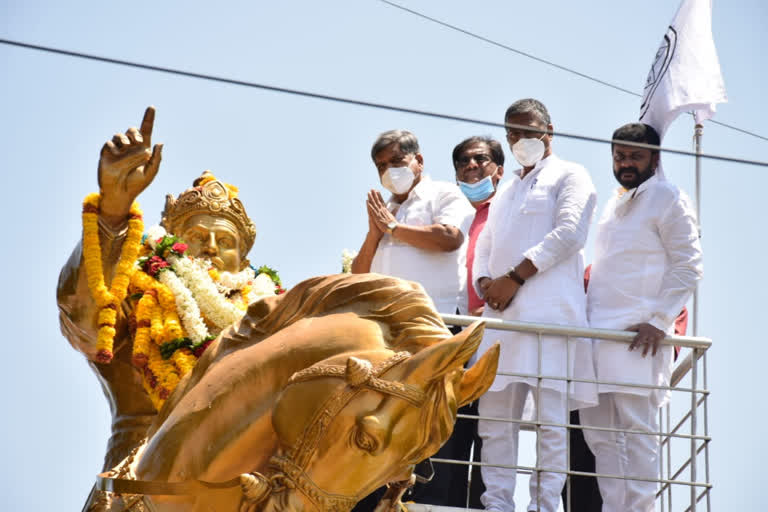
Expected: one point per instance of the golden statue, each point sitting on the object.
(308, 402)
(215, 225)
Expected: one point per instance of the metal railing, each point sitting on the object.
(673, 463)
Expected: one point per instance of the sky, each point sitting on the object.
(303, 166)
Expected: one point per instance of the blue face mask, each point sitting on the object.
(479, 191)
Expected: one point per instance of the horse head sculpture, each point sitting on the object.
(314, 399)
(350, 424)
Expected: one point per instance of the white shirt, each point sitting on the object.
(647, 264)
(544, 217)
(442, 274)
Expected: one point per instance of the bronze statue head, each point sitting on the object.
(212, 220)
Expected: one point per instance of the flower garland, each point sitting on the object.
(215, 306)
(108, 299)
(182, 304)
(347, 257)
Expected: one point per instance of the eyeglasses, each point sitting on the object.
(481, 160)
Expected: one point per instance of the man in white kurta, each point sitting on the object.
(529, 266)
(647, 263)
(418, 234)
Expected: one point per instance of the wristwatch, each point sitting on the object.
(513, 275)
(391, 226)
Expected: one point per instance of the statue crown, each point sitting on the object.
(214, 197)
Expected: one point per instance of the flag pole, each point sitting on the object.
(698, 129)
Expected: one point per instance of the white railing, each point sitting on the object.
(673, 463)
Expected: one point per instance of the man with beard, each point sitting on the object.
(647, 263)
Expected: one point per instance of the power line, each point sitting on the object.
(348, 101)
(547, 62)
(509, 48)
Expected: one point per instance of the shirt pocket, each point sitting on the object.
(415, 215)
(537, 202)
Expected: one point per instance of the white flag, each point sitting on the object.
(685, 76)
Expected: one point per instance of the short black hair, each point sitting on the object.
(637, 132)
(529, 106)
(497, 154)
(408, 143)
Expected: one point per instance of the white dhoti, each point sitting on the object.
(624, 454)
(500, 446)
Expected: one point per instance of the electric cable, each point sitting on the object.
(350, 101)
(549, 63)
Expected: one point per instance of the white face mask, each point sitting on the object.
(528, 151)
(398, 180)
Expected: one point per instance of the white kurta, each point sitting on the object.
(442, 274)
(544, 217)
(647, 264)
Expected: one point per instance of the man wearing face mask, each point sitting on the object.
(647, 264)
(529, 267)
(417, 234)
(479, 165)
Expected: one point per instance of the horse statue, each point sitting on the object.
(313, 400)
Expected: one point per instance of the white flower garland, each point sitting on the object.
(229, 282)
(262, 286)
(216, 308)
(154, 234)
(347, 257)
(197, 294)
(186, 307)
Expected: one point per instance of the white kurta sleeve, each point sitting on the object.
(453, 209)
(574, 207)
(680, 237)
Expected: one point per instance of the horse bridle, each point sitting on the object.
(287, 470)
(360, 375)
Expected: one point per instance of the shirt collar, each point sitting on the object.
(485, 205)
(541, 164)
(419, 191)
(634, 192)
(625, 198)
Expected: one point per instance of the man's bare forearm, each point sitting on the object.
(362, 262)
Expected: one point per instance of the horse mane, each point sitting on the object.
(401, 305)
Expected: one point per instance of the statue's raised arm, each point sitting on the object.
(127, 165)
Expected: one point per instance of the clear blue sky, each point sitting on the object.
(303, 166)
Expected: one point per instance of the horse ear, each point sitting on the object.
(479, 378)
(440, 358)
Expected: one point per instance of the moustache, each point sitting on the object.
(215, 262)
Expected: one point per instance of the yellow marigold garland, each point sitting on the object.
(108, 299)
(157, 322)
(184, 360)
(142, 337)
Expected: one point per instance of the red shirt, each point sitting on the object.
(478, 223)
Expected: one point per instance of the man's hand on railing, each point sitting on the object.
(648, 337)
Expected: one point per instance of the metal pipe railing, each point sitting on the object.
(689, 365)
(575, 332)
